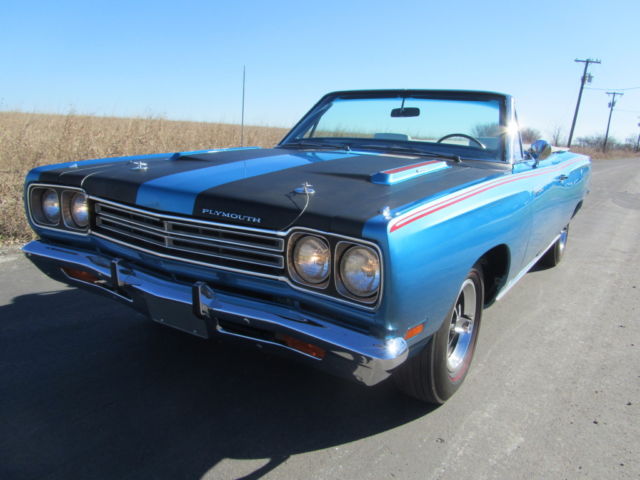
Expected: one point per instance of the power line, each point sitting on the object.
(586, 78)
(616, 89)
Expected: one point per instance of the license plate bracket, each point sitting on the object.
(176, 315)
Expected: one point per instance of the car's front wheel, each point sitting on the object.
(436, 372)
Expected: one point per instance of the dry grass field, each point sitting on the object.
(28, 140)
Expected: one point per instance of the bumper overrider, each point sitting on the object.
(204, 312)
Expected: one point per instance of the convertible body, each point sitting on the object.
(211, 242)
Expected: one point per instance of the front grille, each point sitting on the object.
(183, 238)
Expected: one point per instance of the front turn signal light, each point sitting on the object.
(304, 347)
(413, 331)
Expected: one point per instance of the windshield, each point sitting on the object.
(468, 127)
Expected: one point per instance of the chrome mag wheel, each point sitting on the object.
(461, 326)
(562, 241)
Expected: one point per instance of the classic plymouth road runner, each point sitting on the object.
(367, 242)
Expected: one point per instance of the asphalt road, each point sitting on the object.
(89, 390)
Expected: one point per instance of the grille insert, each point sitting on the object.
(186, 239)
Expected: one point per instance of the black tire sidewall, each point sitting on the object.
(446, 383)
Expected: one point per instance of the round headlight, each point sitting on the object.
(311, 259)
(51, 206)
(360, 271)
(79, 210)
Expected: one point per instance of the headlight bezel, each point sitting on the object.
(342, 284)
(67, 209)
(65, 222)
(294, 273)
(334, 287)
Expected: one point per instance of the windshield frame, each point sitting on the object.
(296, 134)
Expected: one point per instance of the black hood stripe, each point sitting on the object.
(122, 184)
(344, 200)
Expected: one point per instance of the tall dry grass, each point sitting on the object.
(597, 154)
(28, 140)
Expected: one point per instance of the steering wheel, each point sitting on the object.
(468, 137)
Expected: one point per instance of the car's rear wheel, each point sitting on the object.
(552, 257)
(436, 372)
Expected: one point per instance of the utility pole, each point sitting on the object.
(638, 141)
(612, 104)
(586, 78)
(244, 71)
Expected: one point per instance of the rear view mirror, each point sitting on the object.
(405, 112)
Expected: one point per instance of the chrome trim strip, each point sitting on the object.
(279, 241)
(160, 243)
(279, 259)
(98, 210)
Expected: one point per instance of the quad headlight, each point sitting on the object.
(51, 206)
(79, 209)
(336, 266)
(360, 271)
(312, 259)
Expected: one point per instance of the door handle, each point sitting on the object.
(563, 177)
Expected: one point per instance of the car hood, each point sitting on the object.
(257, 187)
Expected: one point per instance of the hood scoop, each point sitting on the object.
(407, 172)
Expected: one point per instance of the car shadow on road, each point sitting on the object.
(93, 390)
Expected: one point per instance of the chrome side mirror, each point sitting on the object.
(539, 150)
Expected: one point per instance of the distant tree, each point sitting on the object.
(487, 130)
(631, 143)
(597, 142)
(530, 135)
(556, 136)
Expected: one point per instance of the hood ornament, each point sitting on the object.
(306, 188)
(138, 165)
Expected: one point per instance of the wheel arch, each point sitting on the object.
(495, 269)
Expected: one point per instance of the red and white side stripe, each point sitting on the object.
(457, 197)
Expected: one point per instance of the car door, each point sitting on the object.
(555, 185)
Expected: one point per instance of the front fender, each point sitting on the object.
(427, 261)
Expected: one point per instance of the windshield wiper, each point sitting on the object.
(310, 144)
(414, 151)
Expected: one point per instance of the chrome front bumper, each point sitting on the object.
(202, 311)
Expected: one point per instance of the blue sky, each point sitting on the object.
(183, 60)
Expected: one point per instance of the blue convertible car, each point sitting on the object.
(367, 242)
